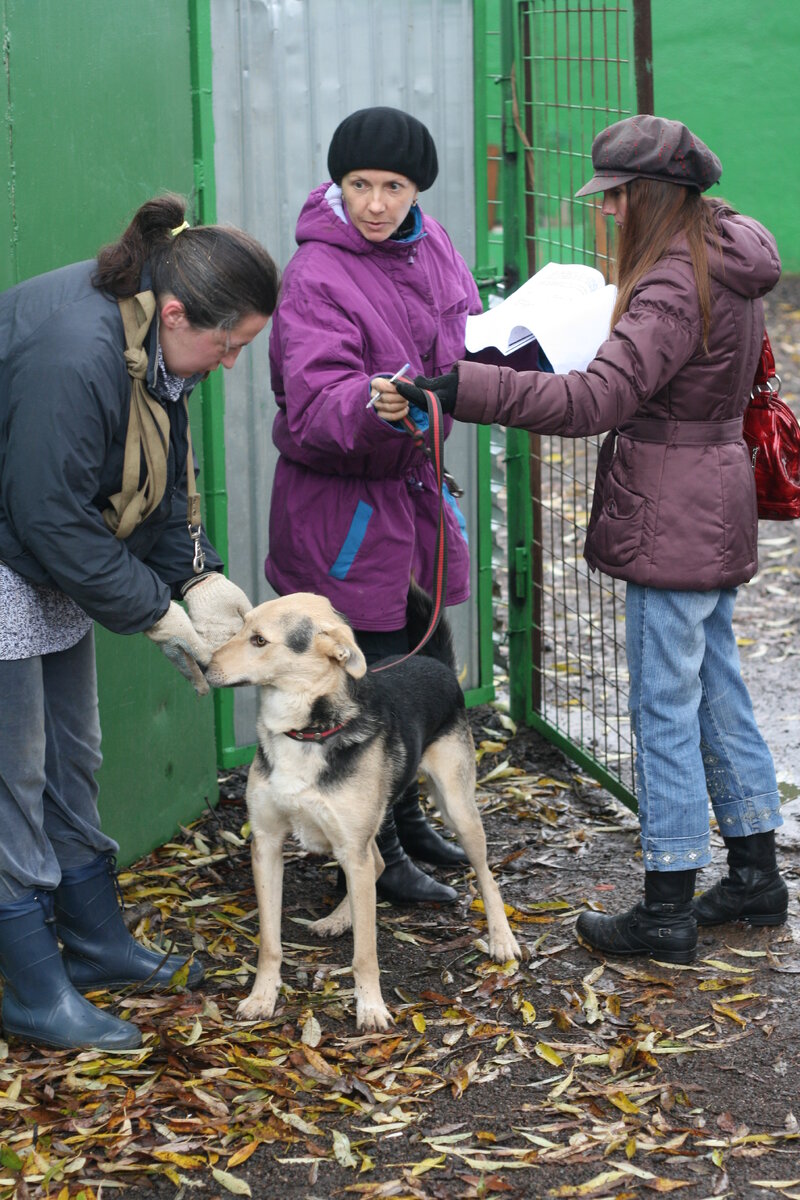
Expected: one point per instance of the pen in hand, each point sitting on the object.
(393, 379)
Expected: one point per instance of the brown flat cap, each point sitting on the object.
(650, 148)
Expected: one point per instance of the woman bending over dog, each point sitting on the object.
(97, 360)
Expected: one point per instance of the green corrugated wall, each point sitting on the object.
(99, 118)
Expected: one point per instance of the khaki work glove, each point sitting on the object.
(216, 606)
(183, 645)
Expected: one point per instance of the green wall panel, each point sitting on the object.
(728, 70)
(159, 768)
(99, 118)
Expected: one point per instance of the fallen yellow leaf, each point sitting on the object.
(548, 1054)
(428, 1164)
(231, 1183)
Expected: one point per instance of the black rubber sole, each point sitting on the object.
(678, 957)
(769, 919)
(25, 1035)
(758, 920)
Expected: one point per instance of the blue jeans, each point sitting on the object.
(49, 753)
(696, 736)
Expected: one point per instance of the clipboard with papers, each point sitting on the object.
(566, 308)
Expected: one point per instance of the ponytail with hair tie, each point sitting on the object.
(219, 274)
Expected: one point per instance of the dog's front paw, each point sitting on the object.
(259, 1005)
(373, 1016)
(504, 947)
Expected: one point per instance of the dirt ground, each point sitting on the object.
(569, 1076)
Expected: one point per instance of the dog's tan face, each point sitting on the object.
(298, 643)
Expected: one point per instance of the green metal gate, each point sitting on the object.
(549, 75)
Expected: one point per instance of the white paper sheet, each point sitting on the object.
(566, 306)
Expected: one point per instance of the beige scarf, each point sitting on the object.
(147, 436)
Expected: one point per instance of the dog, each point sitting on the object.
(336, 744)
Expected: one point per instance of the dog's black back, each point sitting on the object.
(417, 699)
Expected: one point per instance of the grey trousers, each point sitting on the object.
(49, 753)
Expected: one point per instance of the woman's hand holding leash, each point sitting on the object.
(388, 403)
(394, 395)
(445, 387)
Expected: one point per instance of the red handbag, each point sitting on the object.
(773, 437)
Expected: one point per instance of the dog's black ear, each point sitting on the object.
(339, 644)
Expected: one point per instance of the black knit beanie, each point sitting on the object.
(383, 139)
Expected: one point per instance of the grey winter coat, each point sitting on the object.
(674, 503)
(64, 405)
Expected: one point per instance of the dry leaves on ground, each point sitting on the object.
(564, 1068)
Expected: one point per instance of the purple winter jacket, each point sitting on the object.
(674, 502)
(354, 504)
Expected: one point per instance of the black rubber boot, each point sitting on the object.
(402, 881)
(98, 950)
(419, 839)
(752, 891)
(663, 926)
(40, 1003)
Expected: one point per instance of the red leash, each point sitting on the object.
(435, 452)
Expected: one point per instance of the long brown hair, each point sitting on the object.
(657, 213)
(219, 274)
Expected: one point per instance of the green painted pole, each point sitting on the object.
(485, 599)
(212, 391)
(484, 692)
(520, 515)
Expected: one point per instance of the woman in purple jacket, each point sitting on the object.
(674, 514)
(375, 284)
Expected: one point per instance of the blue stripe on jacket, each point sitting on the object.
(352, 543)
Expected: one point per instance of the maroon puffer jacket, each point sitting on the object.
(674, 503)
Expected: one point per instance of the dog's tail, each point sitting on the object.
(419, 609)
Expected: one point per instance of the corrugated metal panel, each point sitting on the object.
(285, 72)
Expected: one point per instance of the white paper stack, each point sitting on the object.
(565, 307)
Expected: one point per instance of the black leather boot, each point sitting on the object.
(419, 839)
(663, 926)
(98, 950)
(752, 891)
(402, 882)
(40, 1003)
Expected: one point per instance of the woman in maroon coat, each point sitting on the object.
(674, 514)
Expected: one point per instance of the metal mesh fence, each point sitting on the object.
(573, 74)
(575, 78)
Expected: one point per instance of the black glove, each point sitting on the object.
(445, 387)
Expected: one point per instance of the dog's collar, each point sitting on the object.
(313, 733)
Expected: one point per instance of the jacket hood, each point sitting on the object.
(750, 264)
(319, 221)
